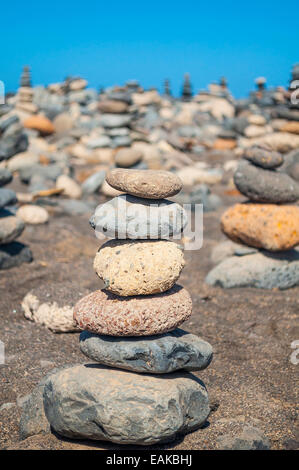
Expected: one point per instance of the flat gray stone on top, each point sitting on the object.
(159, 354)
(89, 401)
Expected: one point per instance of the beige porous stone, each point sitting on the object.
(139, 267)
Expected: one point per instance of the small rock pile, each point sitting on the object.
(12, 253)
(267, 222)
(139, 389)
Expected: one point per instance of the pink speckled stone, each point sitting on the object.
(108, 314)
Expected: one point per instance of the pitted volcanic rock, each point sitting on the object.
(108, 314)
(139, 267)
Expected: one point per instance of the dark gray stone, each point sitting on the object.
(291, 164)
(283, 112)
(263, 157)
(11, 226)
(7, 197)
(265, 185)
(120, 96)
(90, 401)
(12, 141)
(132, 217)
(251, 438)
(263, 270)
(121, 141)
(8, 121)
(240, 124)
(14, 254)
(154, 354)
(75, 207)
(5, 177)
(39, 183)
(94, 182)
(47, 172)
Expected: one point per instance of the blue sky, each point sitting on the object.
(110, 42)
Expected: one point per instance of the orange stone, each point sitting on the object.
(292, 127)
(39, 123)
(268, 226)
(224, 144)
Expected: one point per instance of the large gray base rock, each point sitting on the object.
(263, 270)
(14, 254)
(94, 402)
(154, 354)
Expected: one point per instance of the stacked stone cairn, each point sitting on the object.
(264, 230)
(138, 388)
(25, 93)
(187, 88)
(12, 253)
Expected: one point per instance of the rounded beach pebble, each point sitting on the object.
(139, 267)
(32, 214)
(149, 184)
(108, 314)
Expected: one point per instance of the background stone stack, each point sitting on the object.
(26, 93)
(268, 226)
(131, 326)
(12, 253)
(115, 118)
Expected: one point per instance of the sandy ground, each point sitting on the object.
(250, 381)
